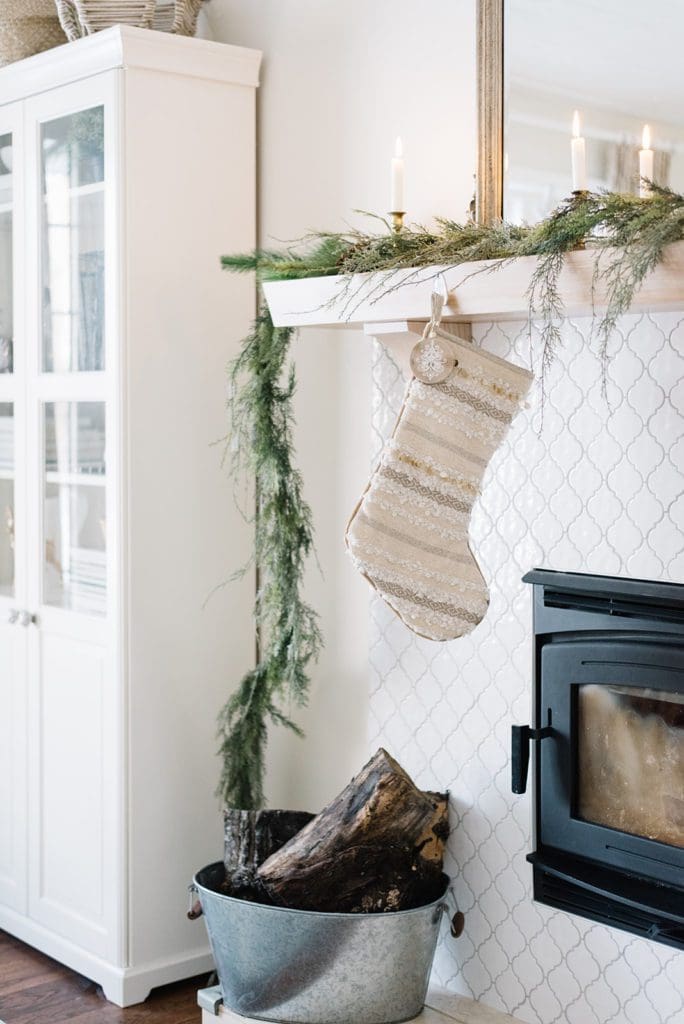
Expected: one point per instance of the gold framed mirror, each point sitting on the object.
(490, 110)
(587, 97)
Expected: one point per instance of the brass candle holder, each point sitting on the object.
(397, 220)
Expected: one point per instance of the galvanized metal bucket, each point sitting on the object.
(304, 967)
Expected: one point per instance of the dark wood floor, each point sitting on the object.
(37, 990)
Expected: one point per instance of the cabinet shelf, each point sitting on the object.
(52, 476)
(75, 191)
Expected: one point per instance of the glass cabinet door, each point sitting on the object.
(6, 257)
(74, 507)
(7, 385)
(70, 364)
(13, 529)
(6, 499)
(73, 244)
(72, 409)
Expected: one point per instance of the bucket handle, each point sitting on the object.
(195, 907)
(456, 919)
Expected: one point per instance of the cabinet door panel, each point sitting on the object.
(68, 798)
(7, 500)
(13, 766)
(7, 303)
(74, 507)
(13, 751)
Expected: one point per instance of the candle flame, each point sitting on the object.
(398, 148)
(646, 137)
(576, 125)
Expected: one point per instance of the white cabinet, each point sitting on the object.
(127, 166)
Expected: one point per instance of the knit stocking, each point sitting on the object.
(409, 533)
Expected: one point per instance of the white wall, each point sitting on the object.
(341, 79)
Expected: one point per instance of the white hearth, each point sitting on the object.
(441, 1008)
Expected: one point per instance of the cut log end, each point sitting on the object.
(250, 837)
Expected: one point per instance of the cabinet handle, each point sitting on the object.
(27, 619)
(13, 616)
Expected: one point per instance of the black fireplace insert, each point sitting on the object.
(608, 751)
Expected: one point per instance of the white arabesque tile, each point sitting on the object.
(588, 484)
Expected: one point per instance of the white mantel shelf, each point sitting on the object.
(477, 291)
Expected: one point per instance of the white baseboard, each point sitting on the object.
(137, 982)
(123, 986)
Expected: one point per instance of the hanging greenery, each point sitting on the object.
(288, 636)
(628, 234)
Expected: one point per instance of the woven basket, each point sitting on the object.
(83, 17)
(27, 27)
(187, 13)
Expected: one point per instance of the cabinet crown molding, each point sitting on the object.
(124, 46)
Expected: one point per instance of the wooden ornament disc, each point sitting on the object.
(432, 360)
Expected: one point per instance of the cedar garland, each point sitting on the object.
(289, 638)
(629, 235)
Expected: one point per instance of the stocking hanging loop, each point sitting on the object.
(441, 282)
(437, 306)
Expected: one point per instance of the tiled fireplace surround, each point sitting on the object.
(596, 485)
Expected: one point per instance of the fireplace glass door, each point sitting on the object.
(630, 760)
(611, 773)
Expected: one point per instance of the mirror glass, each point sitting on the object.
(618, 64)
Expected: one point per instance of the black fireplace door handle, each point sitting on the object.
(520, 753)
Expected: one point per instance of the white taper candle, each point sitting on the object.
(646, 160)
(397, 200)
(579, 156)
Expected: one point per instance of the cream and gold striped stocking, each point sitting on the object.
(409, 533)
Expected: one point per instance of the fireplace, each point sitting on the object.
(608, 751)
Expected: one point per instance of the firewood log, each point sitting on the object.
(250, 837)
(378, 846)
